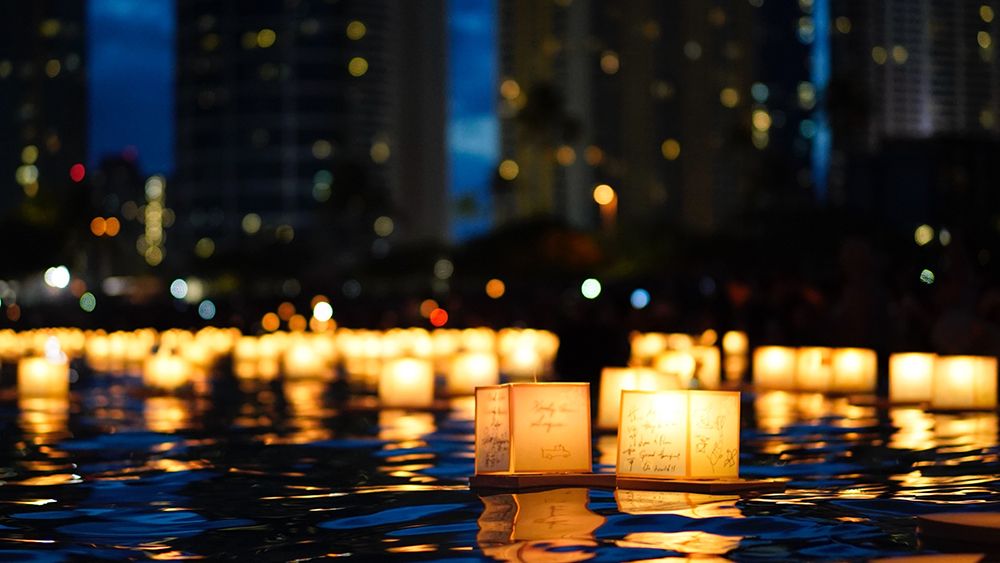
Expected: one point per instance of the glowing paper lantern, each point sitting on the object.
(679, 434)
(42, 377)
(166, 371)
(533, 428)
(406, 382)
(965, 382)
(708, 363)
(470, 370)
(301, 361)
(680, 364)
(774, 367)
(614, 380)
(911, 377)
(814, 369)
(854, 370)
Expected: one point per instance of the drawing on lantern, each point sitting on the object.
(679, 434)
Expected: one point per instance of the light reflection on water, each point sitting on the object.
(287, 470)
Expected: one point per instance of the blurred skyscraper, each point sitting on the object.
(309, 121)
(43, 97)
(651, 98)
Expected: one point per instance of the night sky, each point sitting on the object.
(131, 66)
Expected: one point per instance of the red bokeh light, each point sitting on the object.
(439, 317)
(77, 172)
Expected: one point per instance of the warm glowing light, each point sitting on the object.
(438, 317)
(508, 170)
(357, 66)
(604, 194)
(774, 367)
(77, 172)
(383, 226)
(854, 370)
(671, 149)
(165, 371)
(112, 226)
(495, 288)
(879, 54)
(910, 377)
(510, 89)
(729, 97)
(814, 369)
(266, 38)
(427, 306)
(270, 322)
(984, 39)
(614, 380)
(251, 223)
(609, 62)
(986, 13)
(406, 382)
(322, 311)
(923, 235)
(965, 382)
(687, 434)
(204, 248)
(286, 310)
(761, 120)
(356, 30)
(533, 427)
(98, 226)
(469, 370)
(735, 342)
(297, 323)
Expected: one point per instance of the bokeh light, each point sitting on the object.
(495, 288)
(206, 310)
(322, 311)
(178, 289)
(590, 288)
(639, 299)
(604, 194)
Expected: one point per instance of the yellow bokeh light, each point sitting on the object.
(495, 288)
(761, 120)
(266, 37)
(729, 97)
(510, 89)
(357, 67)
(508, 169)
(899, 54)
(593, 155)
(986, 13)
(923, 235)
(297, 323)
(565, 155)
(879, 54)
(843, 24)
(356, 30)
(604, 194)
(204, 248)
(384, 226)
(379, 152)
(609, 62)
(671, 149)
(984, 39)
(29, 155)
(427, 306)
(270, 322)
(251, 223)
(52, 68)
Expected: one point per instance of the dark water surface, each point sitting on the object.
(286, 472)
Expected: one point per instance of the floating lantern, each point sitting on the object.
(774, 367)
(523, 362)
(854, 370)
(814, 369)
(533, 428)
(469, 370)
(166, 371)
(911, 377)
(613, 380)
(44, 376)
(965, 382)
(679, 434)
(646, 346)
(406, 382)
(301, 361)
(680, 364)
(708, 363)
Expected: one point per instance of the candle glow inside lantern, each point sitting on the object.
(406, 382)
(774, 367)
(533, 428)
(679, 434)
(965, 382)
(44, 376)
(680, 364)
(613, 380)
(814, 369)
(854, 370)
(165, 371)
(911, 377)
(469, 370)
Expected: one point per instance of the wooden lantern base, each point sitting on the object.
(517, 481)
(704, 486)
(964, 529)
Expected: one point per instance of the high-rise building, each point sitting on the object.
(311, 121)
(43, 99)
(927, 67)
(651, 98)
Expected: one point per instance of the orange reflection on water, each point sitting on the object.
(305, 406)
(692, 543)
(978, 430)
(43, 418)
(691, 505)
(166, 414)
(543, 515)
(400, 425)
(914, 429)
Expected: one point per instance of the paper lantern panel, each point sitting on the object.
(533, 428)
